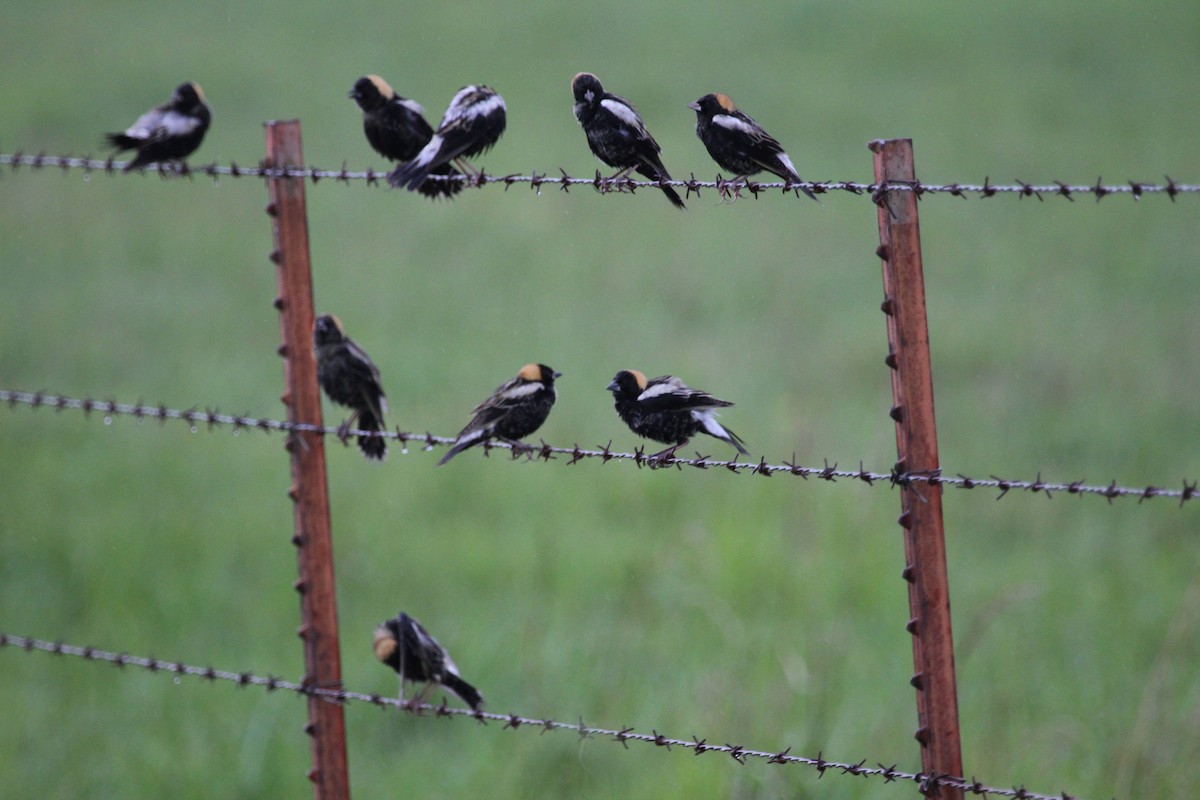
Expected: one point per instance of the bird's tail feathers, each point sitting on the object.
(373, 447)
(442, 188)
(120, 141)
(465, 440)
(651, 173)
(411, 174)
(466, 691)
(714, 428)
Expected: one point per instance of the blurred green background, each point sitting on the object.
(763, 612)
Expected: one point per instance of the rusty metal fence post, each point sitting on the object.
(916, 446)
(309, 490)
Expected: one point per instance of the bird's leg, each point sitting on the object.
(422, 693)
(401, 673)
(343, 431)
(619, 178)
(466, 168)
(660, 457)
(519, 448)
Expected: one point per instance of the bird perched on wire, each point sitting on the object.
(396, 129)
(616, 133)
(667, 411)
(515, 410)
(738, 143)
(472, 123)
(350, 378)
(170, 132)
(404, 645)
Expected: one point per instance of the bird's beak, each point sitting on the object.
(694, 106)
(557, 375)
(612, 386)
(352, 93)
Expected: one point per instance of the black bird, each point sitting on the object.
(170, 132)
(667, 411)
(738, 143)
(404, 645)
(351, 379)
(472, 123)
(396, 129)
(515, 410)
(616, 133)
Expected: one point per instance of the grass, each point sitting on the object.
(765, 612)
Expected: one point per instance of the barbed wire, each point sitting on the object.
(211, 418)
(611, 184)
(929, 784)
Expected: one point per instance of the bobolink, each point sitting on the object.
(667, 411)
(170, 132)
(351, 379)
(515, 410)
(738, 143)
(616, 133)
(472, 123)
(404, 645)
(396, 129)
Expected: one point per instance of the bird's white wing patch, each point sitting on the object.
(412, 105)
(520, 390)
(175, 124)
(623, 112)
(671, 385)
(458, 99)
(459, 108)
(734, 124)
(146, 124)
(481, 109)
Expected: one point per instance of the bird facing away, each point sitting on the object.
(351, 379)
(515, 410)
(170, 132)
(665, 410)
(738, 143)
(616, 133)
(472, 123)
(403, 644)
(396, 129)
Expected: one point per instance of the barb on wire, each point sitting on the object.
(545, 452)
(726, 189)
(929, 784)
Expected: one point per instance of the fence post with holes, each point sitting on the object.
(309, 490)
(916, 445)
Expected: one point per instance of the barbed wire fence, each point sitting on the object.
(609, 184)
(927, 783)
(211, 419)
(917, 474)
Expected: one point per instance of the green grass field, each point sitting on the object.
(768, 613)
